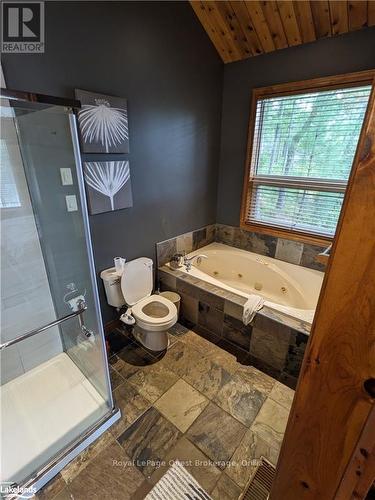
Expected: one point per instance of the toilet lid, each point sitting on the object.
(155, 310)
(136, 280)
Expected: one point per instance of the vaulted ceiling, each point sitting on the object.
(241, 29)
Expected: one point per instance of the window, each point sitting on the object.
(303, 145)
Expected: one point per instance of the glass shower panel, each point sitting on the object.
(55, 384)
(46, 147)
(26, 301)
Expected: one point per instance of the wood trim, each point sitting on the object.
(323, 83)
(331, 82)
(246, 195)
(333, 403)
(322, 258)
(360, 473)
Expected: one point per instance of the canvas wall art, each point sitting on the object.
(108, 185)
(103, 123)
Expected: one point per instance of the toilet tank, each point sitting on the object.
(112, 286)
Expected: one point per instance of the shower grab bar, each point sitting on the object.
(43, 328)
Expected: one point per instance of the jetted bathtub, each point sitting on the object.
(288, 288)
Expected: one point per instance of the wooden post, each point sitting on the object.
(328, 447)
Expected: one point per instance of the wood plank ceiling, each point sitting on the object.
(241, 29)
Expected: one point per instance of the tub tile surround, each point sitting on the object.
(294, 252)
(209, 430)
(302, 254)
(231, 304)
(289, 251)
(184, 243)
(273, 342)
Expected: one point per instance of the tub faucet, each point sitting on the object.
(188, 262)
(176, 261)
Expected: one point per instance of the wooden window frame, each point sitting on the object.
(328, 451)
(284, 89)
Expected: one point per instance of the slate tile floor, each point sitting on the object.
(195, 403)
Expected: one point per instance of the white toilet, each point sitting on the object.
(152, 315)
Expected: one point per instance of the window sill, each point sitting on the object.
(288, 235)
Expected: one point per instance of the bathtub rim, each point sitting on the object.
(234, 301)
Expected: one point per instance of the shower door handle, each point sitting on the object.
(31, 333)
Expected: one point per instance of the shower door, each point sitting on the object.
(54, 376)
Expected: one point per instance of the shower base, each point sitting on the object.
(42, 412)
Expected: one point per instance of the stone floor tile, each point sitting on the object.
(148, 440)
(63, 495)
(180, 358)
(116, 378)
(109, 475)
(226, 489)
(216, 434)
(209, 368)
(282, 395)
(152, 381)
(212, 352)
(181, 404)
(131, 404)
(247, 456)
(83, 459)
(205, 375)
(172, 339)
(270, 423)
(178, 330)
(117, 340)
(52, 488)
(262, 382)
(199, 466)
(239, 398)
(142, 491)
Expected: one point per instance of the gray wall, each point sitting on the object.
(331, 56)
(157, 55)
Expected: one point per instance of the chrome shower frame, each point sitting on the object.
(36, 481)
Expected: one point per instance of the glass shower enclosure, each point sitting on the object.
(55, 389)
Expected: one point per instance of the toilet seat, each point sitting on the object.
(149, 321)
(153, 314)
